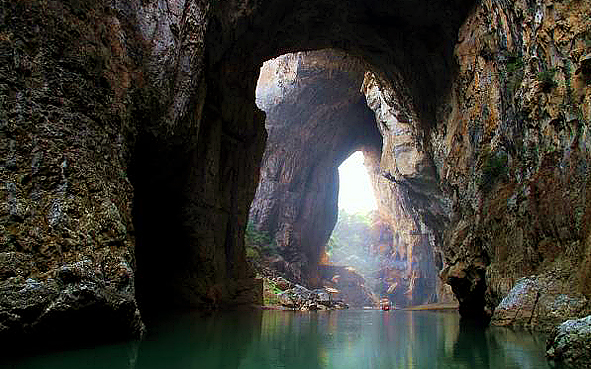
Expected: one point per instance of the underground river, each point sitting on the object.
(308, 340)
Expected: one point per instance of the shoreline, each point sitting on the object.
(436, 306)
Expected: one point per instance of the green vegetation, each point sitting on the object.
(270, 292)
(257, 243)
(494, 167)
(514, 71)
(351, 243)
(546, 79)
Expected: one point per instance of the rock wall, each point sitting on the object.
(410, 201)
(67, 245)
(511, 147)
(316, 117)
(118, 189)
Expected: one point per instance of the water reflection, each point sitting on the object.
(310, 340)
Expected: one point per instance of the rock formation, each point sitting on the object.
(131, 145)
(511, 149)
(569, 343)
(317, 107)
(316, 117)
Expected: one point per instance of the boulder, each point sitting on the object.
(539, 302)
(569, 344)
(283, 284)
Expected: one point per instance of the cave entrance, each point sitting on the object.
(321, 107)
(197, 167)
(351, 260)
(355, 189)
(317, 116)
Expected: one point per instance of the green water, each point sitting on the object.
(308, 340)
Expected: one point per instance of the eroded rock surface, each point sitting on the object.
(569, 344)
(511, 147)
(539, 302)
(67, 247)
(409, 199)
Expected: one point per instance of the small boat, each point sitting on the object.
(385, 304)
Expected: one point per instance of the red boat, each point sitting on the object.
(385, 304)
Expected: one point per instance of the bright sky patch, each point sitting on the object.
(355, 190)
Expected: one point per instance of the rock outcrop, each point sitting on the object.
(511, 147)
(67, 243)
(317, 114)
(569, 344)
(409, 199)
(316, 117)
(540, 302)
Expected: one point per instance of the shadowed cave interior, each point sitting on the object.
(190, 216)
(135, 155)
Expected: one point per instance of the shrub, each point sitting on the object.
(495, 166)
(546, 79)
(513, 73)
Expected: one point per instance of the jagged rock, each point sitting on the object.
(569, 343)
(282, 283)
(301, 298)
(538, 302)
(514, 172)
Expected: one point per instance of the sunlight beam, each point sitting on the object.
(355, 189)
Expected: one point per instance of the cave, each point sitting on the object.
(205, 171)
(317, 107)
(134, 149)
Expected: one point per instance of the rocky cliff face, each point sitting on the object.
(410, 200)
(67, 244)
(130, 143)
(316, 117)
(511, 147)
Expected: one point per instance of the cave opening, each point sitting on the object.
(198, 170)
(355, 189)
(316, 117)
(323, 107)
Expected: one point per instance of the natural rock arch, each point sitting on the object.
(318, 113)
(130, 133)
(238, 38)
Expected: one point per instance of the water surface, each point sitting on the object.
(308, 340)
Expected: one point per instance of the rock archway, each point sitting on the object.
(219, 172)
(132, 145)
(318, 113)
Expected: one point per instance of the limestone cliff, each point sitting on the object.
(410, 201)
(316, 117)
(511, 146)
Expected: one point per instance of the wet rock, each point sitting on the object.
(300, 298)
(569, 344)
(539, 302)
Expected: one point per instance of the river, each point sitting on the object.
(353, 339)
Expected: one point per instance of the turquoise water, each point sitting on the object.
(309, 340)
